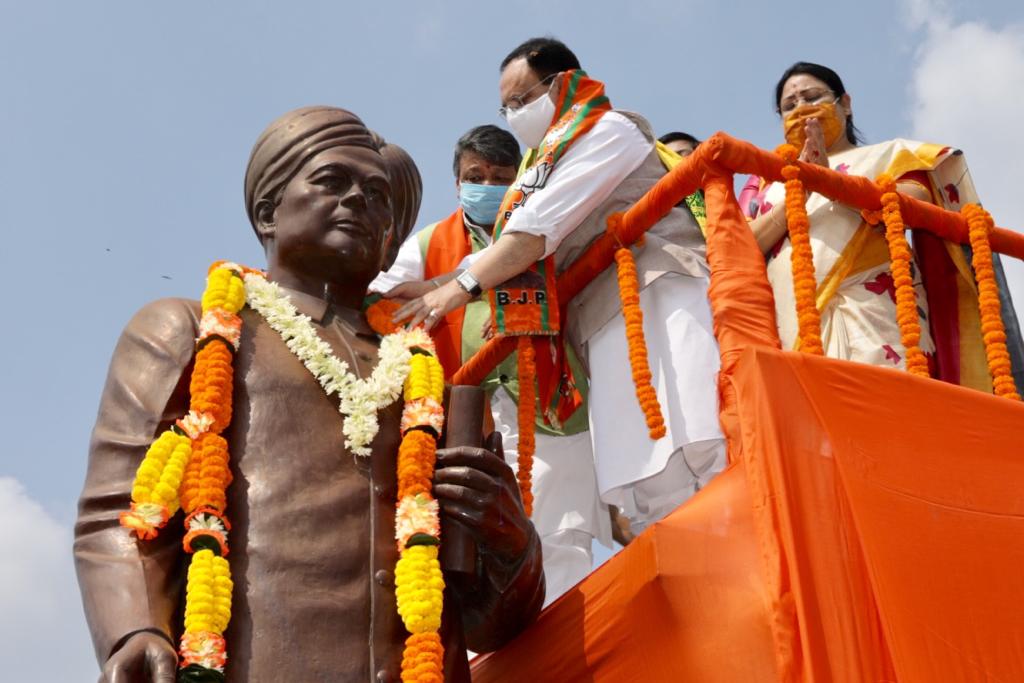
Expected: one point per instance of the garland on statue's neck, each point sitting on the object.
(187, 465)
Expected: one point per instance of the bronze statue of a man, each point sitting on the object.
(313, 547)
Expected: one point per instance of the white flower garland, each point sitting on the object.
(360, 399)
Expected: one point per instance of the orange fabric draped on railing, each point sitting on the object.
(868, 528)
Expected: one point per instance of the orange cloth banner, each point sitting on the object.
(873, 531)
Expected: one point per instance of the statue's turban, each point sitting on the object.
(291, 140)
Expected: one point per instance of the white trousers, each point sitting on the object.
(567, 511)
(648, 479)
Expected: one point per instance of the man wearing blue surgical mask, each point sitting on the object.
(485, 164)
(567, 512)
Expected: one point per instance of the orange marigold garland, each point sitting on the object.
(805, 286)
(979, 227)
(422, 657)
(527, 420)
(629, 294)
(379, 314)
(900, 258)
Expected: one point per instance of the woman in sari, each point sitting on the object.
(855, 293)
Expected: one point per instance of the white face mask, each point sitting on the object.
(531, 121)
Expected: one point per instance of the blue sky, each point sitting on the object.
(129, 125)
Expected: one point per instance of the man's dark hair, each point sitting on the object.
(496, 145)
(829, 78)
(676, 136)
(546, 56)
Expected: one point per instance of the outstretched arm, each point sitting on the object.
(130, 587)
(586, 175)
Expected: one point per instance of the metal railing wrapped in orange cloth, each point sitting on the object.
(742, 157)
(719, 157)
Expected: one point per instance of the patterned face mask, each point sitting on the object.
(825, 112)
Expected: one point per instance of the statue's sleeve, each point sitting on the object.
(505, 599)
(130, 585)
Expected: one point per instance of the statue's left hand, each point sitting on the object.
(144, 658)
(476, 487)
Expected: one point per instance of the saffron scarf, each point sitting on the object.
(449, 244)
(527, 304)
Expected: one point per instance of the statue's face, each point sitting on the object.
(334, 215)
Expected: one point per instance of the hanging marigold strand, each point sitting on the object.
(900, 258)
(419, 584)
(422, 659)
(527, 420)
(629, 294)
(212, 383)
(202, 648)
(207, 475)
(157, 480)
(207, 612)
(979, 227)
(805, 286)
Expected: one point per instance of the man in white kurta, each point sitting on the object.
(563, 209)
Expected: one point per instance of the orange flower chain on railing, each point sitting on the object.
(805, 286)
(527, 421)
(629, 293)
(900, 258)
(980, 225)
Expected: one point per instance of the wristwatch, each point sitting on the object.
(469, 283)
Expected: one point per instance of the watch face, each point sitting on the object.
(468, 283)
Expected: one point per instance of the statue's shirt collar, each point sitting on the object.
(323, 313)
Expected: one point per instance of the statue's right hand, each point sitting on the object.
(144, 658)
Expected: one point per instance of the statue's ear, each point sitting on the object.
(266, 226)
(385, 249)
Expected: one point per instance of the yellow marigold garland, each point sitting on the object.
(419, 588)
(979, 226)
(527, 421)
(208, 594)
(802, 256)
(224, 289)
(425, 379)
(900, 258)
(155, 490)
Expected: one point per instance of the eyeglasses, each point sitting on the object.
(809, 96)
(519, 100)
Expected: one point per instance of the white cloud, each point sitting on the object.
(966, 91)
(43, 636)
